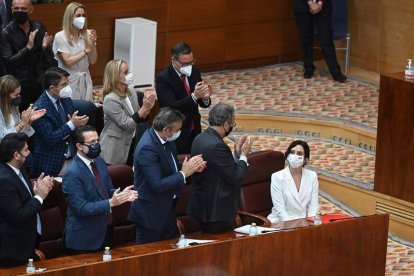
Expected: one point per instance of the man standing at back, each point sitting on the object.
(26, 51)
(159, 177)
(215, 192)
(180, 87)
(53, 138)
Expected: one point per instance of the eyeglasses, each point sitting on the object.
(186, 63)
(232, 125)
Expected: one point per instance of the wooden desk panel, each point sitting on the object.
(394, 164)
(350, 247)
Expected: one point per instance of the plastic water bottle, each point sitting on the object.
(318, 219)
(409, 70)
(30, 268)
(182, 242)
(253, 230)
(107, 255)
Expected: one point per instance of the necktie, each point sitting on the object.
(3, 13)
(100, 186)
(187, 89)
(62, 113)
(38, 223)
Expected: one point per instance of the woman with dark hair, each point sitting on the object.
(10, 119)
(294, 189)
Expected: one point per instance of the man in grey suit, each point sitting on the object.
(215, 191)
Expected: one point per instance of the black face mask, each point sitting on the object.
(20, 17)
(16, 101)
(94, 150)
(229, 131)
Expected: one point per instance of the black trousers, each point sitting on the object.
(306, 22)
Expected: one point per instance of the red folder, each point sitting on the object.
(328, 218)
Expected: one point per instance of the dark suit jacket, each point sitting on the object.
(8, 12)
(215, 192)
(18, 216)
(88, 208)
(302, 5)
(156, 180)
(51, 137)
(171, 92)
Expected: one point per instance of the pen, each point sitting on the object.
(268, 231)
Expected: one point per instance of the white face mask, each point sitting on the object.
(295, 161)
(129, 79)
(174, 137)
(79, 22)
(66, 92)
(186, 70)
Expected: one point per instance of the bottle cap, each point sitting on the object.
(106, 247)
(253, 224)
(30, 260)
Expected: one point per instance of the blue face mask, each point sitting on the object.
(174, 137)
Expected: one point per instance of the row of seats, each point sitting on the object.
(255, 203)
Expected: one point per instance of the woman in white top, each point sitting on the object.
(294, 189)
(10, 119)
(75, 49)
(122, 113)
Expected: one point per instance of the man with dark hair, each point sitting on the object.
(159, 177)
(215, 192)
(20, 224)
(180, 87)
(26, 51)
(53, 138)
(90, 196)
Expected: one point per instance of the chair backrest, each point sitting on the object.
(86, 108)
(124, 232)
(339, 19)
(53, 220)
(255, 190)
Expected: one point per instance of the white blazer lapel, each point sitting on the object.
(305, 188)
(290, 183)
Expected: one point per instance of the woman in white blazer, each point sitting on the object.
(10, 119)
(294, 189)
(122, 112)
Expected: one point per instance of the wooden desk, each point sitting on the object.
(394, 163)
(349, 247)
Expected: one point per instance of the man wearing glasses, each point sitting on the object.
(180, 87)
(26, 51)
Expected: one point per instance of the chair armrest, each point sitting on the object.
(249, 218)
(40, 254)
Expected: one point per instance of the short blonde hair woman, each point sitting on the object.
(122, 113)
(75, 49)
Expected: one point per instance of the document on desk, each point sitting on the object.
(191, 242)
(261, 230)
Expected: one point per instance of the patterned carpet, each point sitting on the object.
(281, 89)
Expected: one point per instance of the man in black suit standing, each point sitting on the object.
(20, 225)
(180, 87)
(215, 192)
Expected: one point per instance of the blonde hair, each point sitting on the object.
(67, 21)
(8, 84)
(111, 78)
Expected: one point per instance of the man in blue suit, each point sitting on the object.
(159, 177)
(53, 138)
(90, 196)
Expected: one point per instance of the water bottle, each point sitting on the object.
(182, 242)
(107, 255)
(317, 220)
(409, 70)
(253, 230)
(30, 268)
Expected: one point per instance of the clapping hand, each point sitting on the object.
(43, 185)
(78, 120)
(194, 164)
(132, 195)
(47, 39)
(314, 7)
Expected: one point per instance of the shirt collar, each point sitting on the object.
(159, 137)
(85, 160)
(53, 99)
(16, 170)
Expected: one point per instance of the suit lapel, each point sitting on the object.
(178, 82)
(51, 107)
(290, 183)
(82, 166)
(164, 150)
(18, 182)
(125, 106)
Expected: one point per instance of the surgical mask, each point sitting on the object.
(20, 17)
(23, 159)
(129, 79)
(79, 22)
(174, 137)
(16, 101)
(295, 161)
(93, 151)
(66, 92)
(186, 70)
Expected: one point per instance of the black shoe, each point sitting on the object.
(339, 78)
(308, 73)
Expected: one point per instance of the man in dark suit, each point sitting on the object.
(26, 51)
(90, 196)
(215, 192)
(20, 225)
(318, 12)
(53, 138)
(180, 87)
(159, 177)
